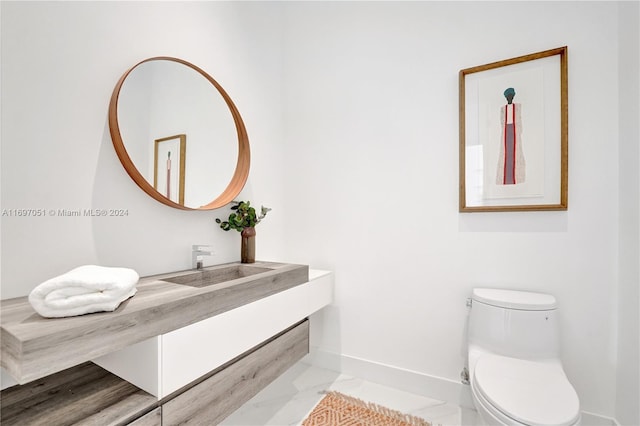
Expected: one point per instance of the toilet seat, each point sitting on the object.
(529, 392)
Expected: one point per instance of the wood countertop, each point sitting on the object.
(33, 347)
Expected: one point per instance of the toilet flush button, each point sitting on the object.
(530, 392)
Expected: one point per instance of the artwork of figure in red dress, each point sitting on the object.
(511, 164)
(168, 194)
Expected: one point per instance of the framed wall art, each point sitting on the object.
(169, 167)
(514, 134)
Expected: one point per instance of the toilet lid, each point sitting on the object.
(530, 392)
(511, 299)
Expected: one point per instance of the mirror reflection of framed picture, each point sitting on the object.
(514, 134)
(169, 167)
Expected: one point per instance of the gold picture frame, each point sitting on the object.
(169, 156)
(514, 134)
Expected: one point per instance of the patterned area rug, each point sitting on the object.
(337, 409)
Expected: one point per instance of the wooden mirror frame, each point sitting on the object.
(244, 156)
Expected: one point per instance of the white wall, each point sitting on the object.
(372, 145)
(628, 379)
(351, 110)
(60, 63)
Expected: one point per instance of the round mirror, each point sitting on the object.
(179, 135)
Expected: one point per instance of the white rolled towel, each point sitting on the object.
(83, 290)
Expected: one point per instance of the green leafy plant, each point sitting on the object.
(243, 216)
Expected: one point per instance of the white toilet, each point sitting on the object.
(515, 371)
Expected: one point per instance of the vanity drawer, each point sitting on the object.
(220, 394)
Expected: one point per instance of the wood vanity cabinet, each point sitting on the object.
(89, 395)
(197, 371)
(220, 394)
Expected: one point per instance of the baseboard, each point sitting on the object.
(398, 378)
(414, 381)
(591, 419)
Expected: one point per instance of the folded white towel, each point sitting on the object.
(84, 290)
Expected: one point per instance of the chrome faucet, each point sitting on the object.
(197, 251)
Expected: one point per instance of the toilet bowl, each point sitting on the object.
(515, 372)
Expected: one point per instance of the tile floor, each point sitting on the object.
(291, 397)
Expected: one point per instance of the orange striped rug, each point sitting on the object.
(337, 409)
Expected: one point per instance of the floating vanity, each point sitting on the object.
(196, 336)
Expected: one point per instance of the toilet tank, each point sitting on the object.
(514, 323)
